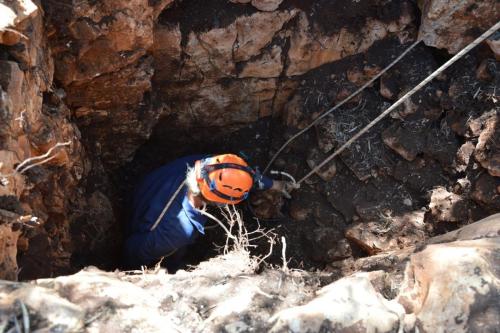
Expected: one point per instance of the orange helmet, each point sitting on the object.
(224, 178)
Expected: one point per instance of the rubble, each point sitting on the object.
(225, 293)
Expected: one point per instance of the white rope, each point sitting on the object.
(340, 104)
(167, 206)
(402, 99)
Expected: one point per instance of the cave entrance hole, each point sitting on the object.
(255, 142)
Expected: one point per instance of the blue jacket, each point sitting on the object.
(180, 224)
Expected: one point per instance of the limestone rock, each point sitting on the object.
(447, 207)
(266, 5)
(487, 150)
(401, 231)
(348, 305)
(454, 287)
(13, 14)
(33, 120)
(167, 52)
(267, 66)
(488, 227)
(256, 31)
(8, 252)
(453, 25)
(310, 49)
(57, 312)
(463, 156)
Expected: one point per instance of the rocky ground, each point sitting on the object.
(225, 294)
(105, 91)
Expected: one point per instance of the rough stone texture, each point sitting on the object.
(446, 206)
(397, 233)
(264, 5)
(126, 70)
(454, 286)
(449, 285)
(101, 54)
(353, 306)
(8, 252)
(453, 25)
(487, 150)
(33, 120)
(208, 299)
(310, 49)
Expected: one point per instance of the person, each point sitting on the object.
(183, 187)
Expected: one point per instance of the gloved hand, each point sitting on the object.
(285, 187)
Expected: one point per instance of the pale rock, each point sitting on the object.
(380, 236)
(256, 31)
(350, 304)
(266, 66)
(488, 227)
(463, 156)
(449, 24)
(241, 101)
(487, 151)
(454, 287)
(446, 206)
(58, 313)
(310, 49)
(266, 5)
(212, 51)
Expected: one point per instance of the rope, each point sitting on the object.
(167, 206)
(340, 104)
(402, 99)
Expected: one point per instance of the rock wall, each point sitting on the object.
(34, 119)
(107, 75)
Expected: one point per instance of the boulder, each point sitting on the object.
(487, 151)
(381, 236)
(448, 207)
(454, 287)
(266, 5)
(453, 25)
(350, 304)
